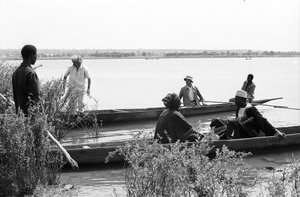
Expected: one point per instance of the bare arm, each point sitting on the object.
(201, 98)
(89, 86)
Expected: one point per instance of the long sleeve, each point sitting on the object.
(199, 94)
(260, 122)
(33, 86)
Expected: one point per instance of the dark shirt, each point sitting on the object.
(174, 124)
(258, 124)
(25, 87)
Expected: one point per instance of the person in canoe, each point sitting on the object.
(249, 87)
(248, 122)
(78, 75)
(191, 94)
(172, 125)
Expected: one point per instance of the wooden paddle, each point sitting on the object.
(220, 102)
(72, 162)
(276, 106)
(254, 103)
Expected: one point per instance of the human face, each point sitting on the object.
(249, 78)
(188, 82)
(33, 58)
(77, 64)
(240, 102)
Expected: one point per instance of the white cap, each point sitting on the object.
(241, 93)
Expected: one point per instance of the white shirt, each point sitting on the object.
(77, 77)
(191, 93)
(242, 112)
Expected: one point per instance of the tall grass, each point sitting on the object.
(6, 71)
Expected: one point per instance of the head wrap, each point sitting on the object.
(172, 101)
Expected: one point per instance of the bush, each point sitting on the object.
(26, 144)
(6, 71)
(181, 169)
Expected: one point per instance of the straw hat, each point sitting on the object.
(189, 78)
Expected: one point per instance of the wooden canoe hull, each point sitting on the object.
(122, 115)
(97, 152)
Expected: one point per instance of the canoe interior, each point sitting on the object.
(127, 115)
(122, 115)
(97, 152)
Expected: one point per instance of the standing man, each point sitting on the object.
(25, 82)
(249, 87)
(191, 94)
(78, 73)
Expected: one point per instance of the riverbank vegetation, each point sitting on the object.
(186, 169)
(10, 54)
(29, 160)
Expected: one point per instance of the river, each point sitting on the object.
(136, 83)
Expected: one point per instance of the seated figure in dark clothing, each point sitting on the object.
(171, 125)
(248, 123)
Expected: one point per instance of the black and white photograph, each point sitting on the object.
(128, 98)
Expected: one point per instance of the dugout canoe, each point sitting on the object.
(123, 115)
(86, 153)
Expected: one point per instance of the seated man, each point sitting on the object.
(172, 124)
(249, 87)
(248, 123)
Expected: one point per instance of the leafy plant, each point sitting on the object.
(181, 169)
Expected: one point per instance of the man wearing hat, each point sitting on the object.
(191, 94)
(78, 73)
(248, 123)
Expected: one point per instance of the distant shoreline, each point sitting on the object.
(156, 58)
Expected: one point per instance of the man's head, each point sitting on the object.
(241, 98)
(77, 60)
(172, 101)
(250, 78)
(188, 80)
(29, 52)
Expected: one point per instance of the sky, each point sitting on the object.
(151, 24)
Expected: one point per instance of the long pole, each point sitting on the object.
(275, 106)
(73, 163)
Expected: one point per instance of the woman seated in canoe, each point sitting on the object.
(248, 123)
(171, 125)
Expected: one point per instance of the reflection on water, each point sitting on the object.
(275, 158)
(108, 179)
(97, 180)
